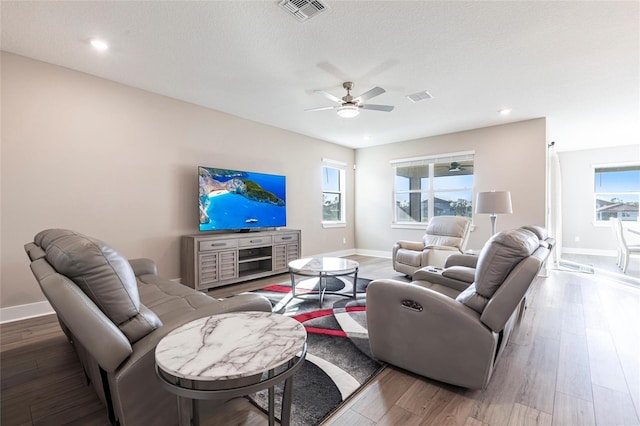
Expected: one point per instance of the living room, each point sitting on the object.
(119, 161)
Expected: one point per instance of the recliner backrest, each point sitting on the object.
(449, 231)
(103, 274)
(498, 258)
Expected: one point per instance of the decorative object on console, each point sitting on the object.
(493, 203)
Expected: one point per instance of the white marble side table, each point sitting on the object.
(224, 356)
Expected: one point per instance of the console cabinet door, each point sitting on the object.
(207, 269)
(214, 266)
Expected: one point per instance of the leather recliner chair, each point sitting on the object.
(444, 236)
(114, 312)
(449, 335)
(459, 269)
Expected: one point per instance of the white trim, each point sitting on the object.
(589, 252)
(405, 225)
(341, 253)
(374, 253)
(22, 312)
(434, 157)
(334, 162)
(334, 224)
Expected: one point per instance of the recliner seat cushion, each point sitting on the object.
(104, 275)
(496, 260)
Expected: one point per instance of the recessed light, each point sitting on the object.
(505, 111)
(99, 44)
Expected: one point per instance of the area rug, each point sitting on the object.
(338, 360)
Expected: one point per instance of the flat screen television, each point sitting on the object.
(239, 200)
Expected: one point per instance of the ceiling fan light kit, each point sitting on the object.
(349, 106)
(348, 111)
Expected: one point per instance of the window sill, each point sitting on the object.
(334, 225)
(422, 226)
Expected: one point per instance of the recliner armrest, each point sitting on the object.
(143, 267)
(468, 260)
(410, 245)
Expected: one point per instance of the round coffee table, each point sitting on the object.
(223, 356)
(323, 268)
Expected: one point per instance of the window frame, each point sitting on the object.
(342, 192)
(595, 167)
(430, 161)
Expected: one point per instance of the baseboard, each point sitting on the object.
(21, 312)
(374, 253)
(340, 253)
(589, 252)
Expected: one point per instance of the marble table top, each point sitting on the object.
(230, 346)
(323, 264)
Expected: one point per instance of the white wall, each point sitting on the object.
(510, 157)
(578, 209)
(119, 164)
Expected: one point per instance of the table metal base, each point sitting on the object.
(322, 284)
(188, 412)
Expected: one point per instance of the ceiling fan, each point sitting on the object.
(350, 106)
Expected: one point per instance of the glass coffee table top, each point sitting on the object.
(317, 265)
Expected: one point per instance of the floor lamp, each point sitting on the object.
(494, 202)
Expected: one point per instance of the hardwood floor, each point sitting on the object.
(575, 360)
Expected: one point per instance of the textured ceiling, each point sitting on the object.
(576, 63)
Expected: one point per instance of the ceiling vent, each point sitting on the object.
(303, 10)
(420, 96)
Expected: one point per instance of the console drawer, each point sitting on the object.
(216, 244)
(256, 241)
(286, 238)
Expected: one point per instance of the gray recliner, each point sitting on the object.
(444, 236)
(459, 269)
(114, 312)
(449, 335)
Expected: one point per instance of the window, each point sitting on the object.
(333, 192)
(617, 192)
(432, 186)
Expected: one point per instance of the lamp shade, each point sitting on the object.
(494, 202)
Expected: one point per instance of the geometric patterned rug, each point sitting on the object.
(338, 360)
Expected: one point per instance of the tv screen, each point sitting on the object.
(238, 200)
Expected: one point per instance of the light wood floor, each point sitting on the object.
(574, 361)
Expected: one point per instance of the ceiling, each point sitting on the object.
(576, 63)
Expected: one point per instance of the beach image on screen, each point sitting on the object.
(232, 199)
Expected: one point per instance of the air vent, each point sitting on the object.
(303, 10)
(420, 96)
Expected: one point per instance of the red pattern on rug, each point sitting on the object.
(302, 318)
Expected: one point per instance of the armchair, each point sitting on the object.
(445, 235)
(450, 335)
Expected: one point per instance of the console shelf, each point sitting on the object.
(214, 260)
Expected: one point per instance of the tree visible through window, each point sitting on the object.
(333, 184)
(433, 186)
(617, 192)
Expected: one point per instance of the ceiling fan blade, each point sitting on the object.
(386, 108)
(320, 108)
(329, 96)
(370, 94)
